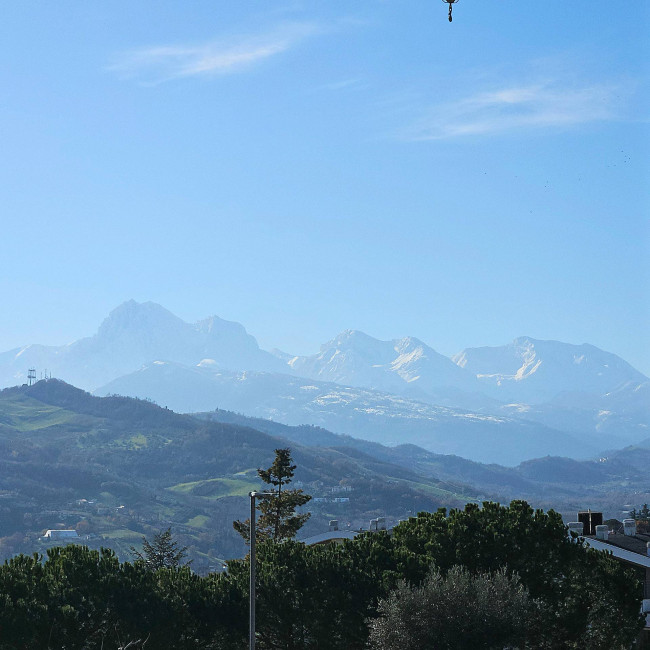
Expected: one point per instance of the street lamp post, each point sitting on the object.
(251, 620)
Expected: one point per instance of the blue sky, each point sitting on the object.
(308, 167)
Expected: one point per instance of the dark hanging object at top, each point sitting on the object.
(450, 3)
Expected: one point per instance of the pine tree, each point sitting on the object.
(278, 519)
(162, 553)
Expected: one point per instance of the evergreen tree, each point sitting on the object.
(162, 553)
(278, 519)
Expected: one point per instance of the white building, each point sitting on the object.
(61, 534)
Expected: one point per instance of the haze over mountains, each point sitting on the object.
(134, 334)
(501, 404)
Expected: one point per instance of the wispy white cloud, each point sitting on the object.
(342, 84)
(545, 104)
(154, 65)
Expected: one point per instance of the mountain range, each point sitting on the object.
(497, 404)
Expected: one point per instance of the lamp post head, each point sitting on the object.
(450, 3)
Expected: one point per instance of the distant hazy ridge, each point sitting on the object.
(503, 404)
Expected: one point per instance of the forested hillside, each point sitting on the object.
(117, 468)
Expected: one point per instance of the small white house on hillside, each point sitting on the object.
(61, 534)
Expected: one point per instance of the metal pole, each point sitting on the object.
(251, 586)
(251, 632)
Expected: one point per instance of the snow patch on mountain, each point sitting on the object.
(382, 417)
(402, 366)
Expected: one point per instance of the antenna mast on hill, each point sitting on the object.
(31, 376)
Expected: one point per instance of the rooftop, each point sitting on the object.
(631, 548)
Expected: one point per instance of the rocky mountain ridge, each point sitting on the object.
(527, 397)
(132, 335)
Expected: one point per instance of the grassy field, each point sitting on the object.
(124, 534)
(26, 414)
(199, 521)
(216, 488)
(436, 491)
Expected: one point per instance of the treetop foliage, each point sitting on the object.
(278, 519)
(162, 553)
(502, 562)
(642, 513)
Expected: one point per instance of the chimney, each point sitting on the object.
(602, 532)
(590, 520)
(629, 527)
(577, 527)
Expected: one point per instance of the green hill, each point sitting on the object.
(118, 468)
(609, 482)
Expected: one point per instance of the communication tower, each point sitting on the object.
(31, 376)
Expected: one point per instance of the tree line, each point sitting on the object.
(482, 577)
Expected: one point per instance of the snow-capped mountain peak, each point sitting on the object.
(532, 370)
(132, 317)
(405, 366)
